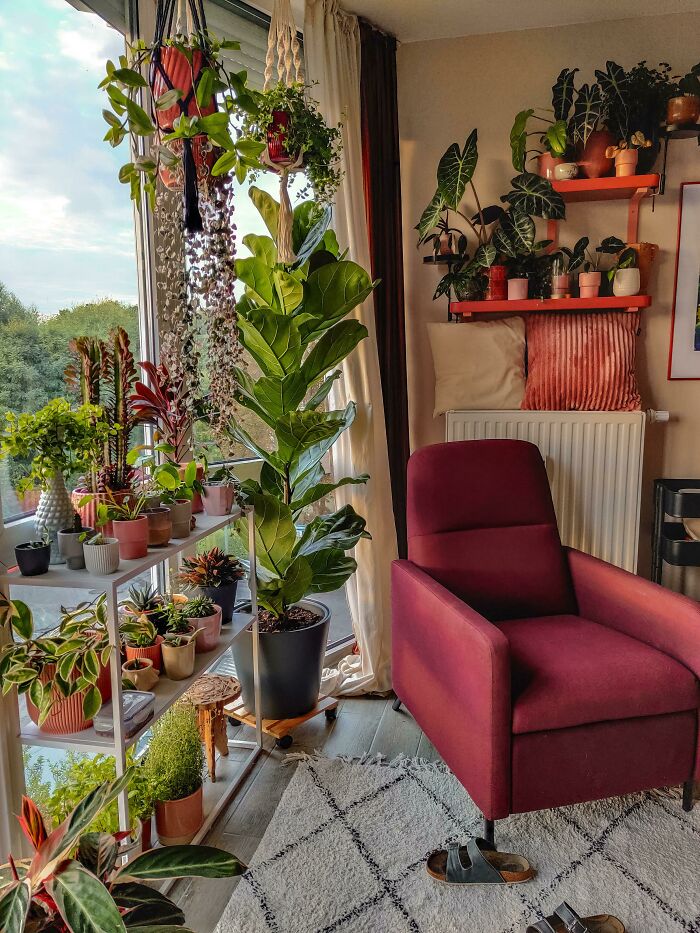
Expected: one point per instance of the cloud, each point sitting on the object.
(86, 43)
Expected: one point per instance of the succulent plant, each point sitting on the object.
(142, 599)
(213, 568)
(199, 608)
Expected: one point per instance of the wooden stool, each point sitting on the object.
(209, 695)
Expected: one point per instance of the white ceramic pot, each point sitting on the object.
(589, 284)
(54, 512)
(626, 282)
(565, 171)
(517, 289)
(102, 559)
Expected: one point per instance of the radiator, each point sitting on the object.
(594, 464)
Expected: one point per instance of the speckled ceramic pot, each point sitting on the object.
(53, 513)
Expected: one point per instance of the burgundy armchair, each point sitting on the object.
(542, 676)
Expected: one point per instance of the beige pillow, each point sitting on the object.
(478, 364)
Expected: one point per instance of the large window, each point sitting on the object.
(67, 256)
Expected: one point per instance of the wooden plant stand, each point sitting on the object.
(208, 696)
(280, 728)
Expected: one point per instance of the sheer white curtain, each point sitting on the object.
(332, 50)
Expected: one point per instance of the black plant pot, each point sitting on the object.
(291, 665)
(224, 596)
(33, 561)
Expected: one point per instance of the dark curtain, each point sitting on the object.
(382, 184)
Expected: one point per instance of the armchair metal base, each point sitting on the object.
(396, 705)
(489, 832)
(688, 791)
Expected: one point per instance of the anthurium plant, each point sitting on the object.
(75, 882)
(293, 321)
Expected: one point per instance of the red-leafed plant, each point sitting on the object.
(166, 404)
(74, 884)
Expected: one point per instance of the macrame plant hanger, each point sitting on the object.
(283, 56)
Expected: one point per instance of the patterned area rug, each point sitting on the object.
(345, 852)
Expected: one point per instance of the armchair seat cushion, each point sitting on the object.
(568, 671)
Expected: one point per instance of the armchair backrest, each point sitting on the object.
(481, 522)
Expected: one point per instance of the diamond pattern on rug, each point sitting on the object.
(346, 847)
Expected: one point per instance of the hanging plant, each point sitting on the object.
(182, 108)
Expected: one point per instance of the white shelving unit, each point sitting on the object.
(166, 691)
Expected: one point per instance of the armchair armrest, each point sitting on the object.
(637, 607)
(451, 667)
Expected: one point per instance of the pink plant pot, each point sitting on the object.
(589, 284)
(218, 500)
(88, 512)
(132, 537)
(66, 715)
(626, 163)
(517, 289)
(208, 638)
(177, 821)
(560, 285)
(152, 652)
(546, 164)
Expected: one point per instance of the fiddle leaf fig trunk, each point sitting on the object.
(293, 321)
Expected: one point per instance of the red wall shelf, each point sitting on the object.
(611, 303)
(606, 189)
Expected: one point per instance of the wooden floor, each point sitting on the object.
(365, 724)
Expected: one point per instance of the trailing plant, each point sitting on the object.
(608, 247)
(74, 883)
(199, 607)
(103, 372)
(175, 758)
(223, 476)
(138, 631)
(307, 135)
(57, 439)
(212, 568)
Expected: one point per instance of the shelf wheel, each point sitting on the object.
(284, 741)
(331, 714)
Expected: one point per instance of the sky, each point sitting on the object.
(66, 223)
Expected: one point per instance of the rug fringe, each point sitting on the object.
(415, 765)
(664, 793)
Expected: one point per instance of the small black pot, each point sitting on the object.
(224, 596)
(291, 665)
(33, 561)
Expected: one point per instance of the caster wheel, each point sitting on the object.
(284, 741)
(234, 725)
(331, 714)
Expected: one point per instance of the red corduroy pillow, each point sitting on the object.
(582, 361)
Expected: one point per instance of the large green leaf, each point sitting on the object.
(236, 431)
(588, 111)
(255, 274)
(331, 569)
(332, 349)
(182, 862)
(515, 236)
(311, 236)
(485, 256)
(342, 530)
(145, 905)
(262, 247)
(83, 901)
(333, 291)
(455, 170)
(319, 490)
(288, 289)
(556, 138)
(298, 431)
(275, 534)
(518, 139)
(267, 207)
(430, 217)
(305, 472)
(272, 339)
(98, 853)
(245, 395)
(563, 93)
(323, 391)
(14, 901)
(280, 394)
(614, 84)
(534, 195)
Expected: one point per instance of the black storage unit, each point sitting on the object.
(670, 542)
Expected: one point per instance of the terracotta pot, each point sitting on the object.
(102, 559)
(517, 289)
(197, 505)
(277, 139)
(683, 111)
(178, 661)
(626, 162)
(88, 512)
(626, 283)
(178, 821)
(132, 537)
(208, 638)
(560, 285)
(204, 155)
(497, 288)
(181, 515)
(565, 171)
(67, 713)
(646, 254)
(589, 284)
(145, 677)
(218, 500)
(546, 164)
(152, 652)
(160, 526)
(592, 159)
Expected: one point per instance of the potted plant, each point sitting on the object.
(175, 766)
(59, 441)
(178, 653)
(160, 525)
(103, 372)
(565, 262)
(141, 673)
(72, 867)
(141, 639)
(555, 139)
(203, 613)
(129, 526)
(219, 491)
(33, 557)
(70, 543)
(64, 675)
(589, 279)
(177, 491)
(101, 554)
(142, 601)
(213, 574)
(683, 109)
(626, 154)
(624, 275)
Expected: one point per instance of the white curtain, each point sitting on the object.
(332, 50)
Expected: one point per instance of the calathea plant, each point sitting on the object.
(292, 322)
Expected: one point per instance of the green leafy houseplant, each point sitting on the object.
(557, 137)
(635, 101)
(75, 884)
(175, 759)
(128, 510)
(306, 134)
(292, 323)
(142, 599)
(608, 247)
(173, 486)
(138, 631)
(569, 260)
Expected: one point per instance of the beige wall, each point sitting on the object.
(447, 87)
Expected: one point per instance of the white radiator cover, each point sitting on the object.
(594, 464)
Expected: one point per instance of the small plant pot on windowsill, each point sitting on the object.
(626, 283)
(70, 545)
(223, 596)
(626, 163)
(141, 672)
(218, 499)
(196, 503)
(178, 821)
(589, 284)
(33, 558)
(517, 289)
(132, 536)
(152, 652)
(208, 638)
(181, 515)
(102, 559)
(160, 525)
(178, 659)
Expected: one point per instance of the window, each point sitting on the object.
(67, 255)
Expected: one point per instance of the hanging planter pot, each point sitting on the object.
(277, 133)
